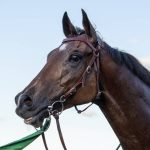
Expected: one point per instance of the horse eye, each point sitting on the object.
(75, 58)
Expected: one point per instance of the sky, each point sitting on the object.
(30, 29)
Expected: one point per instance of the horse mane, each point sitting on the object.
(123, 58)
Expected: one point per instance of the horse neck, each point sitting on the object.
(125, 103)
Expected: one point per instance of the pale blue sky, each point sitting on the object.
(29, 29)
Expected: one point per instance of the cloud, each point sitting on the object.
(2, 119)
(89, 114)
(146, 62)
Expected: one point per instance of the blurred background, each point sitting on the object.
(29, 30)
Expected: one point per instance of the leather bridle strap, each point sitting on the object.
(81, 40)
(95, 60)
(56, 116)
(44, 141)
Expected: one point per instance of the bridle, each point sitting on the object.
(93, 63)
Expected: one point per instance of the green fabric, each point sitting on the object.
(22, 143)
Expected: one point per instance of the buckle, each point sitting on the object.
(88, 69)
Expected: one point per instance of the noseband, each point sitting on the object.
(94, 63)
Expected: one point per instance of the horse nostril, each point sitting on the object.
(28, 101)
(25, 100)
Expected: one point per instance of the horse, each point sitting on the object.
(83, 69)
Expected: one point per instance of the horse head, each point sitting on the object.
(68, 78)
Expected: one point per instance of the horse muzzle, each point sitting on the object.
(27, 110)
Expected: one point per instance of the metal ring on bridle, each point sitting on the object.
(51, 111)
(88, 69)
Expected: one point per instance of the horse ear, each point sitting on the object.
(89, 29)
(68, 27)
